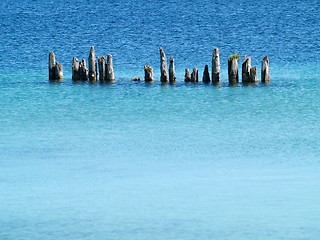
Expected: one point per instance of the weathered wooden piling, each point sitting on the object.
(233, 70)
(246, 66)
(110, 72)
(172, 73)
(253, 75)
(83, 70)
(187, 77)
(216, 66)
(148, 73)
(265, 70)
(75, 69)
(102, 68)
(58, 71)
(52, 66)
(194, 75)
(163, 66)
(92, 65)
(206, 75)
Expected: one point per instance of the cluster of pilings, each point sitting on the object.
(249, 74)
(80, 71)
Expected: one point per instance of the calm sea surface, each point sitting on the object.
(131, 160)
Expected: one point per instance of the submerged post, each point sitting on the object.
(187, 77)
(163, 66)
(216, 66)
(83, 70)
(75, 69)
(102, 68)
(265, 71)
(92, 65)
(253, 75)
(148, 73)
(246, 66)
(110, 73)
(172, 73)
(194, 75)
(206, 76)
(233, 70)
(58, 71)
(52, 65)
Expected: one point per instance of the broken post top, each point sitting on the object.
(248, 60)
(102, 68)
(265, 70)
(83, 70)
(102, 58)
(215, 66)
(92, 53)
(187, 77)
(109, 58)
(109, 70)
(58, 71)
(52, 65)
(52, 60)
(83, 62)
(194, 75)
(172, 73)
(163, 66)
(266, 58)
(206, 76)
(92, 65)
(75, 69)
(233, 70)
(216, 60)
(246, 66)
(148, 73)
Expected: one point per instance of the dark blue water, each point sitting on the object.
(132, 32)
(131, 160)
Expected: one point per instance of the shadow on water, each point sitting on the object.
(56, 82)
(236, 84)
(107, 84)
(165, 85)
(249, 85)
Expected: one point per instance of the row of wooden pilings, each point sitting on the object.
(80, 71)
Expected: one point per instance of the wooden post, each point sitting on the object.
(58, 71)
(206, 76)
(253, 75)
(102, 68)
(92, 65)
(216, 66)
(265, 70)
(148, 73)
(110, 73)
(172, 73)
(83, 70)
(246, 66)
(163, 66)
(194, 75)
(187, 77)
(52, 65)
(233, 71)
(75, 69)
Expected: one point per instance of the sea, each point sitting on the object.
(183, 161)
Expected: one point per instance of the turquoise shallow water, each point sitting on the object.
(131, 160)
(138, 161)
